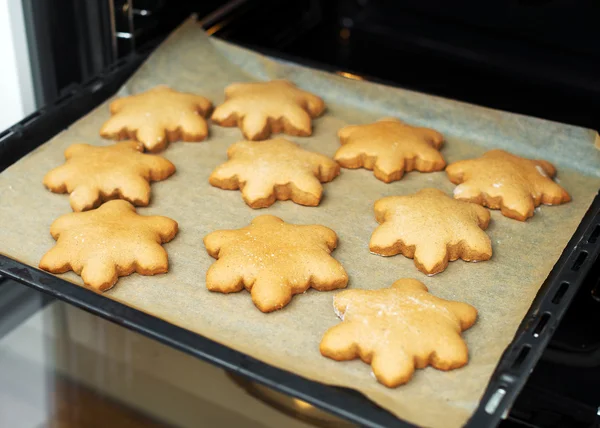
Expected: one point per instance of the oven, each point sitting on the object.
(534, 57)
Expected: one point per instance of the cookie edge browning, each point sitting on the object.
(280, 192)
(273, 125)
(497, 202)
(143, 201)
(453, 252)
(169, 135)
(370, 162)
(214, 241)
(119, 272)
(353, 352)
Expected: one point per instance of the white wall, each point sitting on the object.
(16, 86)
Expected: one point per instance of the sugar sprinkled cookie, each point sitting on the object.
(501, 180)
(95, 174)
(272, 170)
(390, 148)
(264, 108)
(398, 329)
(432, 228)
(111, 241)
(273, 260)
(158, 116)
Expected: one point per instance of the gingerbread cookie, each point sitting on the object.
(111, 241)
(501, 180)
(95, 174)
(274, 170)
(273, 260)
(262, 108)
(158, 116)
(390, 148)
(432, 228)
(398, 329)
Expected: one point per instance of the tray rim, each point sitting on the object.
(505, 383)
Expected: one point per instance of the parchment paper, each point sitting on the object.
(501, 289)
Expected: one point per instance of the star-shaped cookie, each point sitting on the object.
(501, 180)
(390, 148)
(432, 228)
(158, 116)
(273, 260)
(398, 329)
(111, 241)
(262, 108)
(272, 170)
(95, 174)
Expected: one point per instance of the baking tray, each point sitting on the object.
(509, 377)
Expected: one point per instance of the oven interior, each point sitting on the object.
(534, 57)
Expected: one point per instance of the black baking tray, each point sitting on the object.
(510, 375)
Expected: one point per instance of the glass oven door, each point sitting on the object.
(61, 367)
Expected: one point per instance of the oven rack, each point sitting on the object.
(510, 376)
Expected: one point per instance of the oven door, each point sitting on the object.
(63, 367)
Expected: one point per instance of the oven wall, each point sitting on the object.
(72, 41)
(544, 51)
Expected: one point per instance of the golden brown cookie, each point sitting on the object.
(272, 170)
(111, 241)
(273, 260)
(398, 329)
(158, 116)
(96, 174)
(390, 148)
(432, 228)
(262, 108)
(501, 180)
